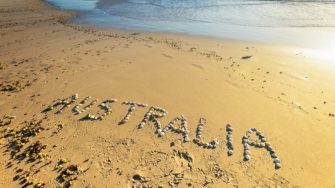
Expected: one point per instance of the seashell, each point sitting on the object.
(277, 165)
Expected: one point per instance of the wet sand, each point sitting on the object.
(284, 94)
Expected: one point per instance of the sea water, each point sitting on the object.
(301, 23)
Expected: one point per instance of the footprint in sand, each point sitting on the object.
(198, 66)
(246, 57)
(168, 56)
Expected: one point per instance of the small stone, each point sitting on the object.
(274, 155)
(276, 160)
(230, 152)
(246, 152)
(161, 134)
(229, 127)
(277, 165)
(247, 157)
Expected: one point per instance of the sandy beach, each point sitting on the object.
(52, 134)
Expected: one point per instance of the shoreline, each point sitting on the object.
(286, 95)
(295, 38)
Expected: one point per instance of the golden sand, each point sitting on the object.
(286, 95)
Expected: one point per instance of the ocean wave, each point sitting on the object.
(266, 13)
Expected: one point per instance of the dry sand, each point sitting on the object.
(286, 95)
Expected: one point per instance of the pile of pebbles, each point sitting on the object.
(6, 120)
(131, 109)
(153, 114)
(103, 106)
(199, 141)
(69, 175)
(13, 86)
(60, 163)
(78, 110)
(26, 178)
(34, 152)
(131, 103)
(65, 103)
(229, 130)
(262, 143)
(107, 109)
(17, 139)
(182, 129)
